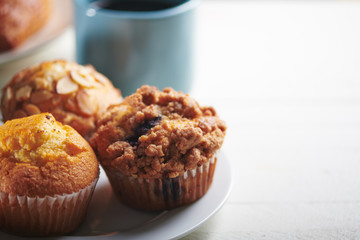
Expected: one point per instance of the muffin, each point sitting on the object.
(21, 19)
(159, 148)
(75, 95)
(47, 176)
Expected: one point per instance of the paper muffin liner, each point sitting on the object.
(163, 193)
(44, 216)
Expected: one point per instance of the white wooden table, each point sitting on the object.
(285, 75)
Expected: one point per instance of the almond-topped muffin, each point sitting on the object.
(158, 148)
(47, 175)
(76, 95)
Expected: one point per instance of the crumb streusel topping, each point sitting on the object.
(154, 134)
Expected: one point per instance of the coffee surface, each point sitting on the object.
(134, 5)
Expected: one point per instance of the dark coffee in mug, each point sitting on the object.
(136, 5)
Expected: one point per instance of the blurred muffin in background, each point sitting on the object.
(76, 95)
(19, 19)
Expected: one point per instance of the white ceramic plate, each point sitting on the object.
(107, 218)
(60, 19)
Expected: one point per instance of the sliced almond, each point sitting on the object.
(23, 93)
(82, 81)
(89, 73)
(94, 83)
(8, 93)
(86, 71)
(8, 96)
(41, 83)
(86, 105)
(40, 96)
(8, 103)
(19, 114)
(58, 67)
(65, 85)
(31, 109)
(53, 72)
(101, 78)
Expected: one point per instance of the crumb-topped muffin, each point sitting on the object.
(74, 94)
(47, 175)
(158, 148)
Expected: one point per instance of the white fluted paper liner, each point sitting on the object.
(163, 193)
(44, 216)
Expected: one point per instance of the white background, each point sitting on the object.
(286, 77)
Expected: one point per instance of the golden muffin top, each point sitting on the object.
(74, 94)
(155, 133)
(39, 156)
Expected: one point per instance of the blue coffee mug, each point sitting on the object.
(137, 45)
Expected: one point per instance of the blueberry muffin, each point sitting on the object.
(159, 148)
(47, 176)
(74, 94)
